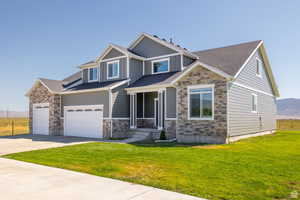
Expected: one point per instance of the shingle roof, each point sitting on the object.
(74, 77)
(155, 79)
(55, 86)
(228, 59)
(94, 85)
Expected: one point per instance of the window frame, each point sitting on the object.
(259, 65)
(212, 86)
(255, 101)
(89, 74)
(160, 60)
(107, 69)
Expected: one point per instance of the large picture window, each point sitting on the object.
(93, 74)
(113, 69)
(201, 102)
(160, 66)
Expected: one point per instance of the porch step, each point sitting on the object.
(141, 134)
(145, 130)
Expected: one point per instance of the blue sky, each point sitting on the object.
(51, 38)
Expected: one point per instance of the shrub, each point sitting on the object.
(162, 135)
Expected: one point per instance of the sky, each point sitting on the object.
(50, 39)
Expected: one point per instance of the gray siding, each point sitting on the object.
(136, 69)
(113, 53)
(149, 48)
(248, 76)
(93, 98)
(187, 61)
(175, 64)
(120, 102)
(122, 70)
(241, 120)
(171, 103)
(85, 75)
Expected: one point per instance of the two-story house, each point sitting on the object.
(210, 96)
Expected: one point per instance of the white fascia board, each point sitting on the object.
(35, 84)
(148, 88)
(85, 91)
(198, 63)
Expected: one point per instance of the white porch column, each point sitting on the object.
(161, 109)
(133, 108)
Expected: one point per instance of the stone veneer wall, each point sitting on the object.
(106, 128)
(41, 94)
(170, 127)
(203, 131)
(120, 128)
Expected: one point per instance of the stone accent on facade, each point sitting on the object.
(120, 128)
(170, 128)
(145, 123)
(203, 131)
(41, 94)
(106, 128)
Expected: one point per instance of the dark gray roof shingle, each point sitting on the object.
(54, 85)
(94, 85)
(228, 59)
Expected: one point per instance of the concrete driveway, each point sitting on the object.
(20, 143)
(20, 181)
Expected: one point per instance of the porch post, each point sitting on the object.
(133, 108)
(161, 109)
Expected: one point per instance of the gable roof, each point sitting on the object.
(230, 58)
(53, 86)
(121, 49)
(162, 42)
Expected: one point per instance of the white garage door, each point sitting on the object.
(40, 119)
(84, 121)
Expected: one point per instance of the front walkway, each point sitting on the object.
(20, 180)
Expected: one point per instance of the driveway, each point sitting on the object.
(20, 143)
(20, 180)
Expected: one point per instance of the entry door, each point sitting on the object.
(84, 121)
(40, 119)
(156, 114)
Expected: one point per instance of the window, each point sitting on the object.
(113, 69)
(160, 66)
(254, 102)
(258, 67)
(201, 102)
(93, 74)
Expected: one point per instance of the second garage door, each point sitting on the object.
(84, 121)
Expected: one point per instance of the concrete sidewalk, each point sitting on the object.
(21, 180)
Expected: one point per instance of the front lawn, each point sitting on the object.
(260, 168)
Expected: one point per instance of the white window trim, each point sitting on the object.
(212, 86)
(112, 62)
(256, 101)
(161, 60)
(89, 75)
(260, 67)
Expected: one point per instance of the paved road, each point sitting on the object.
(22, 181)
(20, 143)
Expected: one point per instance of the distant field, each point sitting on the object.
(288, 124)
(13, 126)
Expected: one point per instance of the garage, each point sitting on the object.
(83, 121)
(40, 119)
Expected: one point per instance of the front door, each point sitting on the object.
(156, 115)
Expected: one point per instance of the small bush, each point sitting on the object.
(162, 135)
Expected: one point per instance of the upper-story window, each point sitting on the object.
(160, 66)
(201, 102)
(93, 74)
(258, 67)
(113, 69)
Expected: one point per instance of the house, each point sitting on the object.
(209, 96)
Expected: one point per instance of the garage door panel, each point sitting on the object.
(84, 121)
(40, 121)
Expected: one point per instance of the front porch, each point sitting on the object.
(147, 110)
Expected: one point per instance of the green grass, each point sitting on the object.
(20, 126)
(260, 168)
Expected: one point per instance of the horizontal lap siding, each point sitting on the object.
(92, 98)
(248, 76)
(171, 103)
(120, 102)
(240, 118)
